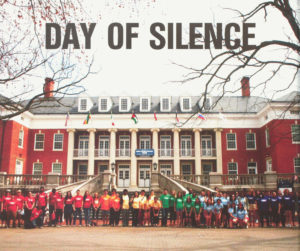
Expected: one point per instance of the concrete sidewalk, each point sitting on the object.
(119, 238)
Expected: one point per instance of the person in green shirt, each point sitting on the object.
(188, 211)
(179, 209)
(172, 208)
(197, 210)
(165, 201)
(193, 198)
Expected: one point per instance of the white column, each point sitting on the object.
(70, 151)
(112, 150)
(176, 151)
(91, 151)
(155, 144)
(197, 136)
(219, 150)
(133, 171)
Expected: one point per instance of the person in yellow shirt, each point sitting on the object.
(135, 200)
(147, 207)
(151, 200)
(156, 206)
(125, 208)
(143, 199)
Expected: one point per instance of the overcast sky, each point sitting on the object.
(145, 71)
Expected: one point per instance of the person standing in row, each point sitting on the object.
(116, 206)
(87, 204)
(165, 200)
(104, 202)
(172, 209)
(142, 200)
(52, 200)
(197, 211)
(41, 200)
(156, 206)
(188, 211)
(68, 208)
(135, 207)
(11, 211)
(96, 209)
(77, 207)
(20, 201)
(5, 198)
(111, 211)
(147, 208)
(29, 205)
(179, 209)
(125, 208)
(59, 208)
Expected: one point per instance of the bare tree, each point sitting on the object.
(24, 59)
(224, 66)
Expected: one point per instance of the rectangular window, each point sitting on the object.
(250, 141)
(252, 168)
(39, 141)
(269, 165)
(166, 169)
(104, 146)
(37, 169)
(21, 138)
(58, 141)
(145, 104)
(186, 104)
(57, 168)
(165, 105)
(267, 133)
(83, 104)
(232, 168)
(145, 142)
(231, 141)
(296, 133)
(207, 104)
(297, 165)
(103, 104)
(124, 104)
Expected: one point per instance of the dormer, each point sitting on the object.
(104, 104)
(207, 104)
(186, 104)
(165, 104)
(84, 104)
(124, 104)
(145, 104)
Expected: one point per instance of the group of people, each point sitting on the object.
(182, 209)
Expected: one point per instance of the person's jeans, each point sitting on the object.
(164, 219)
(125, 217)
(87, 212)
(79, 213)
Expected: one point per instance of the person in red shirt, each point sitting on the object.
(28, 207)
(5, 199)
(59, 208)
(52, 200)
(96, 209)
(111, 211)
(87, 204)
(115, 206)
(104, 205)
(41, 200)
(68, 208)
(36, 217)
(77, 207)
(20, 201)
(11, 210)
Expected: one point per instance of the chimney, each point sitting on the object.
(245, 87)
(48, 88)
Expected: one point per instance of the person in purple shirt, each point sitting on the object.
(274, 209)
(263, 209)
(252, 207)
(287, 206)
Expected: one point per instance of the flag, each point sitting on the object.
(201, 116)
(155, 117)
(134, 118)
(67, 119)
(112, 122)
(177, 119)
(88, 117)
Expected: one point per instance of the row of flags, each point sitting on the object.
(134, 118)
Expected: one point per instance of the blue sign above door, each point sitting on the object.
(144, 152)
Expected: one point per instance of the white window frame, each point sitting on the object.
(268, 164)
(163, 167)
(108, 103)
(21, 138)
(209, 100)
(161, 104)
(294, 142)
(128, 104)
(80, 107)
(141, 104)
(37, 149)
(296, 166)
(62, 142)
(252, 167)
(235, 140)
(237, 168)
(267, 135)
(254, 148)
(57, 163)
(145, 138)
(183, 109)
(33, 168)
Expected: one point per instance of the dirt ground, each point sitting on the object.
(119, 238)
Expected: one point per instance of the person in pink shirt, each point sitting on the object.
(59, 208)
(11, 210)
(20, 201)
(87, 204)
(77, 207)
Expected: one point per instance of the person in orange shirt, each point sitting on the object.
(104, 206)
(135, 206)
(143, 199)
(111, 211)
(147, 207)
(116, 206)
(156, 206)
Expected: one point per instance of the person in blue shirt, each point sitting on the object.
(287, 206)
(225, 216)
(252, 207)
(208, 211)
(274, 207)
(263, 209)
(218, 212)
(232, 215)
(242, 216)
